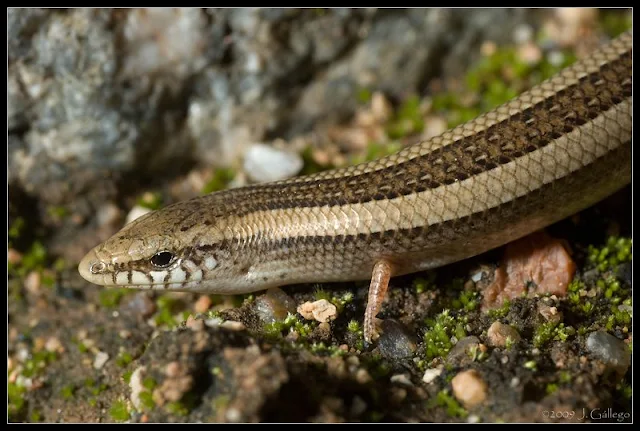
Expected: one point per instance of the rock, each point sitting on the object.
(498, 333)
(136, 212)
(264, 163)
(202, 304)
(550, 314)
(136, 385)
(100, 359)
(140, 303)
(469, 388)
(274, 305)
(395, 341)
(320, 310)
(460, 353)
(613, 352)
(402, 379)
(431, 374)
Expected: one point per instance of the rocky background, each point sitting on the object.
(115, 112)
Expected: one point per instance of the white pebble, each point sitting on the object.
(431, 374)
(136, 211)
(264, 163)
(100, 359)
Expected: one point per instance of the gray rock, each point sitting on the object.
(459, 354)
(613, 352)
(395, 341)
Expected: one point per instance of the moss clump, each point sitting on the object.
(274, 330)
(551, 331)
(437, 339)
(67, 392)
(150, 200)
(16, 403)
(501, 312)
(221, 179)
(124, 359)
(446, 400)
(408, 119)
(119, 411)
(425, 283)
(110, 297)
(38, 362)
(617, 250)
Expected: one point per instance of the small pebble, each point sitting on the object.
(264, 163)
(362, 376)
(13, 256)
(498, 333)
(136, 385)
(203, 304)
(108, 214)
(53, 344)
(124, 334)
(136, 212)
(320, 310)
(614, 353)
(550, 314)
(32, 282)
(274, 305)
(233, 325)
(469, 388)
(141, 304)
(402, 379)
(194, 324)
(459, 354)
(100, 359)
(431, 374)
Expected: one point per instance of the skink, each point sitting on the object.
(549, 153)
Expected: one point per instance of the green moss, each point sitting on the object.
(564, 377)
(551, 331)
(437, 339)
(92, 402)
(275, 330)
(167, 307)
(16, 402)
(16, 228)
(146, 400)
(38, 362)
(363, 95)
(531, 365)
(501, 312)
(468, 300)
(110, 297)
(221, 179)
(320, 293)
(617, 250)
(35, 416)
(34, 259)
(93, 387)
(425, 283)
(375, 151)
(497, 78)
(551, 388)
(310, 165)
(57, 212)
(119, 411)
(354, 326)
(221, 402)
(67, 392)
(625, 391)
(124, 359)
(407, 121)
(444, 399)
(150, 200)
(177, 408)
(149, 383)
(126, 376)
(615, 22)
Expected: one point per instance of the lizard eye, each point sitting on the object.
(162, 259)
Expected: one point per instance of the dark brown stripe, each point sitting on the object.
(550, 199)
(506, 141)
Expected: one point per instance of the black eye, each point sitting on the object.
(162, 259)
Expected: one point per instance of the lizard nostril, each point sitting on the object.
(98, 268)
